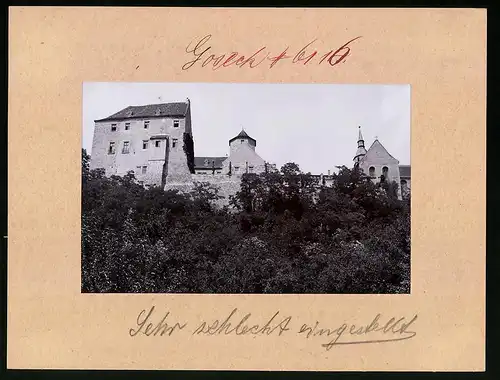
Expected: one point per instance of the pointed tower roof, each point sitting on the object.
(360, 136)
(361, 151)
(243, 135)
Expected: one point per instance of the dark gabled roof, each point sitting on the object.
(404, 170)
(206, 162)
(243, 135)
(149, 110)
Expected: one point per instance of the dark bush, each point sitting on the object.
(284, 233)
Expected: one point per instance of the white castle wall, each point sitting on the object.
(153, 158)
(227, 185)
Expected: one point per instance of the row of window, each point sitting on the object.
(235, 170)
(141, 169)
(371, 171)
(385, 172)
(207, 172)
(114, 126)
(145, 146)
(250, 169)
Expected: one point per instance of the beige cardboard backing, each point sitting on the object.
(52, 51)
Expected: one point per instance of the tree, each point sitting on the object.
(285, 233)
(204, 196)
(85, 163)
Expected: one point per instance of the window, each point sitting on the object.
(371, 171)
(111, 149)
(146, 124)
(145, 144)
(384, 175)
(242, 140)
(144, 169)
(126, 147)
(236, 168)
(176, 123)
(137, 170)
(250, 169)
(403, 183)
(127, 126)
(174, 143)
(157, 143)
(113, 127)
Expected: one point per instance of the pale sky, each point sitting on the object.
(313, 125)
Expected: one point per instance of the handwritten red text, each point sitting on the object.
(201, 54)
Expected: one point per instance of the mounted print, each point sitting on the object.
(245, 189)
(309, 207)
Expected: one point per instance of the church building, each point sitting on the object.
(381, 166)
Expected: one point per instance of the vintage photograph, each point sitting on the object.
(228, 188)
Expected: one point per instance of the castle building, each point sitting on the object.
(208, 165)
(242, 159)
(381, 166)
(242, 156)
(156, 142)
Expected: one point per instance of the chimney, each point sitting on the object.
(328, 171)
(188, 101)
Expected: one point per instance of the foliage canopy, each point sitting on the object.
(281, 233)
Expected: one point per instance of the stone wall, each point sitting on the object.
(177, 165)
(227, 185)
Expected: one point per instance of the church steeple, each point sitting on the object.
(361, 151)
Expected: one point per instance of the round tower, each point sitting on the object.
(240, 140)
